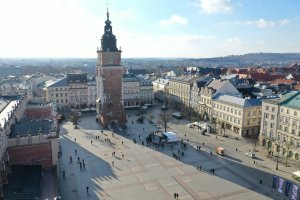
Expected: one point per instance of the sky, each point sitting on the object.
(156, 28)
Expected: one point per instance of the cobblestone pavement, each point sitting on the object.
(151, 172)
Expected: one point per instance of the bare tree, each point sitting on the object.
(165, 118)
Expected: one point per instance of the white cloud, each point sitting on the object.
(174, 19)
(215, 6)
(283, 22)
(262, 23)
(235, 40)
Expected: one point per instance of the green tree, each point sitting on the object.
(165, 118)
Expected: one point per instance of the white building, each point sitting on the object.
(73, 91)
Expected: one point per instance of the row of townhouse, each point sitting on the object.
(275, 120)
(280, 125)
(136, 91)
(217, 101)
(76, 90)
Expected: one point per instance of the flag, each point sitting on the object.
(274, 181)
(294, 192)
(280, 184)
(287, 188)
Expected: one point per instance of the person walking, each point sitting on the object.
(122, 142)
(87, 189)
(75, 151)
(112, 163)
(91, 141)
(75, 139)
(71, 160)
(78, 159)
(64, 174)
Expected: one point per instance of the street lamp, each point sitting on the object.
(278, 148)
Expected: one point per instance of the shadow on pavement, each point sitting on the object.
(229, 168)
(76, 179)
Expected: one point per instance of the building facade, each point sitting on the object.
(131, 91)
(73, 91)
(208, 92)
(180, 91)
(146, 91)
(136, 91)
(280, 130)
(109, 73)
(161, 89)
(238, 115)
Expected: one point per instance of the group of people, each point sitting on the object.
(176, 195)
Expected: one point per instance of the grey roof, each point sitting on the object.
(73, 77)
(3, 104)
(33, 126)
(60, 83)
(241, 102)
(130, 78)
(216, 84)
(183, 79)
(161, 81)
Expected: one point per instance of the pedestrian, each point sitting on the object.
(216, 137)
(87, 189)
(80, 165)
(174, 195)
(122, 155)
(78, 159)
(139, 136)
(260, 181)
(112, 163)
(200, 167)
(185, 135)
(83, 165)
(75, 139)
(64, 174)
(75, 151)
(83, 161)
(177, 195)
(91, 141)
(210, 152)
(70, 159)
(235, 149)
(132, 122)
(253, 162)
(122, 142)
(203, 143)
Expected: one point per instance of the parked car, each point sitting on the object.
(250, 154)
(191, 125)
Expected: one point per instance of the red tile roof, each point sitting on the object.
(38, 113)
(282, 81)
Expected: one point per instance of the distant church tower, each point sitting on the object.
(109, 79)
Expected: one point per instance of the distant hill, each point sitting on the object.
(17, 66)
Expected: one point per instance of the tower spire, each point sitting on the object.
(107, 13)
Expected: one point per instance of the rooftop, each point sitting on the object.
(60, 83)
(32, 126)
(292, 102)
(4, 113)
(216, 84)
(130, 78)
(241, 102)
(183, 79)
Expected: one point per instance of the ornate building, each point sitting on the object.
(109, 73)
